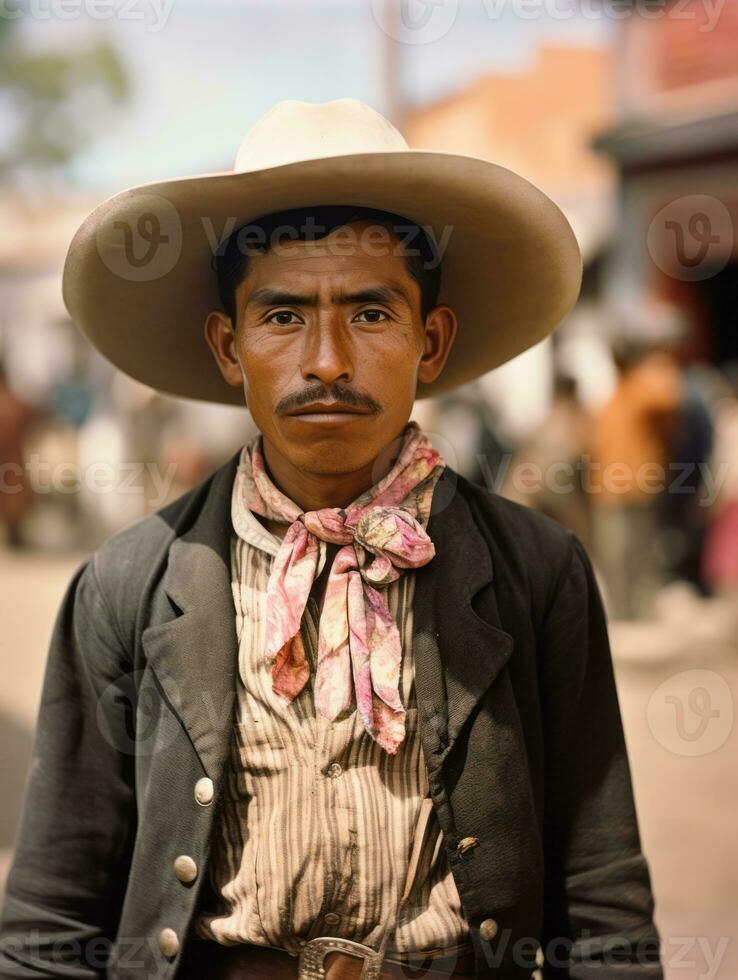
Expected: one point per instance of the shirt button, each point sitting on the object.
(204, 791)
(334, 770)
(332, 918)
(185, 869)
(169, 942)
(488, 929)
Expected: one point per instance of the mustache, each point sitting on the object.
(318, 393)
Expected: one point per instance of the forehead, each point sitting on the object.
(356, 252)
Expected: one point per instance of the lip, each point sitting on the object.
(328, 418)
(327, 413)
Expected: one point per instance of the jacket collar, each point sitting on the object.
(458, 654)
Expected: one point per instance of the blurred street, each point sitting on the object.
(686, 803)
(694, 875)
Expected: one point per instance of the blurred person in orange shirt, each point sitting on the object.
(16, 493)
(628, 472)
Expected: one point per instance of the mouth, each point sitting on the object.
(328, 413)
(329, 418)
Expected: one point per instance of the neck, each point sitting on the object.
(313, 491)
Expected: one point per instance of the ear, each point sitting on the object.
(440, 332)
(221, 340)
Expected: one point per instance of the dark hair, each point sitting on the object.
(315, 222)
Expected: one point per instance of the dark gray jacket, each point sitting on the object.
(519, 720)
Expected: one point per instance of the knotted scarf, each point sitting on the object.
(382, 533)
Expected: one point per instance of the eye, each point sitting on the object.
(286, 315)
(374, 315)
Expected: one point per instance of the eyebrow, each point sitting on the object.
(267, 296)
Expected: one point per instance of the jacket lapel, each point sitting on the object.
(194, 654)
(458, 654)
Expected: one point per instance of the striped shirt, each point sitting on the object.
(320, 830)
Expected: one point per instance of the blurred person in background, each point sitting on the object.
(466, 424)
(683, 518)
(72, 396)
(720, 556)
(16, 493)
(335, 707)
(628, 472)
(688, 450)
(546, 472)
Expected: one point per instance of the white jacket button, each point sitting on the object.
(204, 791)
(169, 942)
(488, 929)
(185, 869)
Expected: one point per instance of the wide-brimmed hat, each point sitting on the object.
(139, 278)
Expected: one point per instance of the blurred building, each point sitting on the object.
(675, 143)
(541, 122)
(37, 341)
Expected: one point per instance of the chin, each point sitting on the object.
(331, 456)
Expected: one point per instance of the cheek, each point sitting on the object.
(390, 360)
(266, 365)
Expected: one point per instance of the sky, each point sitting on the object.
(202, 71)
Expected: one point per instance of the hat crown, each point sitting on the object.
(295, 131)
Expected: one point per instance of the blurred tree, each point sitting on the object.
(52, 99)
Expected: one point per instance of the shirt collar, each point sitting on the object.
(249, 527)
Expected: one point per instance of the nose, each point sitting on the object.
(326, 356)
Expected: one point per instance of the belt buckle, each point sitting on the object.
(313, 953)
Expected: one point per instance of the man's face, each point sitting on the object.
(326, 322)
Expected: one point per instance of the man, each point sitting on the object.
(335, 709)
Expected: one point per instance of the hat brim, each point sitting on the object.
(138, 279)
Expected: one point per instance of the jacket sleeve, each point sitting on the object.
(72, 851)
(599, 905)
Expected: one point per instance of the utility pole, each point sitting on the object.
(391, 83)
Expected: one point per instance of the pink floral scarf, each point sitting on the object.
(382, 533)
